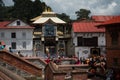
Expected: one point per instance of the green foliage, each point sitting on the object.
(26, 10)
(1, 3)
(83, 13)
(1, 10)
(64, 17)
(22, 9)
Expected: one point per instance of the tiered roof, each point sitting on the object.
(47, 16)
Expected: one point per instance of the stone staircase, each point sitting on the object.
(40, 62)
(20, 66)
(6, 74)
(15, 69)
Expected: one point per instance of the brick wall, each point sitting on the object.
(111, 54)
(59, 77)
(113, 51)
(82, 76)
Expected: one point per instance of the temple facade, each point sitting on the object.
(51, 37)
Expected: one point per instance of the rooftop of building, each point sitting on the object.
(47, 16)
(86, 27)
(5, 25)
(114, 20)
(90, 25)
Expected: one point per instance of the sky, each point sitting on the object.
(97, 7)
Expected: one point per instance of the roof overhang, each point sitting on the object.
(43, 20)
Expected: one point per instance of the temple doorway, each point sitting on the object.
(50, 48)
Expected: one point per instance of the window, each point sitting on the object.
(2, 35)
(13, 35)
(18, 22)
(24, 35)
(24, 45)
(49, 30)
(87, 41)
(13, 45)
(80, 41)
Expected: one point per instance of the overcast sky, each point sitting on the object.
(97, 7)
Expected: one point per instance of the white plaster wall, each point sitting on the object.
(14, 23)
(101, 41)
(79, 50)
(19, 38)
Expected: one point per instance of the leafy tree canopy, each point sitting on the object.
(26, 10)
(1, 3)
(22, 9)
(83, 13)
(64, 17)
(1, 10)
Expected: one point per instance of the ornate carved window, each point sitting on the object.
(49, 30)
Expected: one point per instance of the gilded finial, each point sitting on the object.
(46, 9)
(49, 9)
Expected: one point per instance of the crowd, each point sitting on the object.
(98, 66)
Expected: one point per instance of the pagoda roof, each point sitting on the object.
(46, 16)
(43, 20)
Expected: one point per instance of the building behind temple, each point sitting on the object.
(89, 40)
(112, 27)
(17, 35)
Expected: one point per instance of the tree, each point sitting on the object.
(1, 10)
(38, 8)
(1, 3)
(27, 9)
(22, 9)
(64, 17)
(83, 13)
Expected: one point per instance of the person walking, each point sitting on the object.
(10, 50)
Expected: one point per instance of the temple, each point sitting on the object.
(51, 35)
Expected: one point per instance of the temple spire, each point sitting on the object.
(47, 9)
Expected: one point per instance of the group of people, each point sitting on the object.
(98, 66)
(10, 50)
